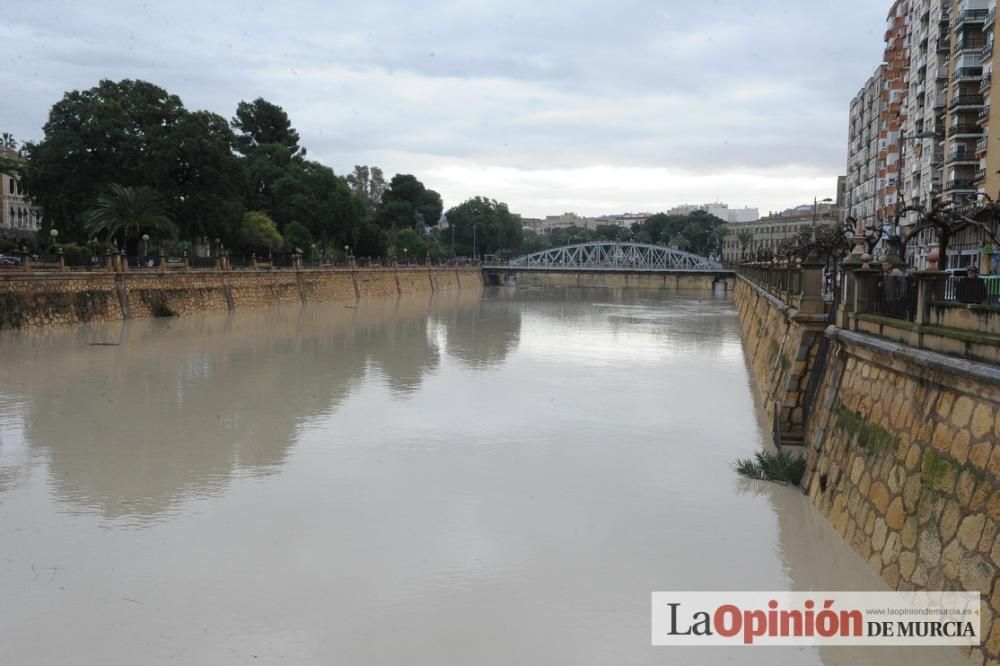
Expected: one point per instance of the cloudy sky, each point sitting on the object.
(585, 106)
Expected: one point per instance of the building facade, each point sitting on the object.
(928, 104)
(748, 240)
(18, 217)
(863, 150)
(719, 210)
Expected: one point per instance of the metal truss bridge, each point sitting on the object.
(610, 256)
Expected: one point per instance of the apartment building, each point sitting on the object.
(863, 150)
(928, 104)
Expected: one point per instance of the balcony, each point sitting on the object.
(986, 52)
(984, 113)
(962, 157)
(965, 130)
(970, 44)
(970, 17)
(984, 85)
(961, 185)
(980, 175)
(981, 146)
(965, 100)
(944, 43)
(991, 17)
(967, 73)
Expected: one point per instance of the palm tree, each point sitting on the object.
(8, 141)
(745, 238)
(125, 209)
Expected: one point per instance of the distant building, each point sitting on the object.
(719, 210)
(18, 217)
(745, 240)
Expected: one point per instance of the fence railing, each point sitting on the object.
(892, 296)
(120, 262)
(779, 280)
(973, 290)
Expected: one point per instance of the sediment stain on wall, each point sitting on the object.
(28, 300)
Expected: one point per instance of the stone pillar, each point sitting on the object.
(930, 288)
(162, 261)
(122, 262)
(62, 261)
(25, 260)
(812, 286)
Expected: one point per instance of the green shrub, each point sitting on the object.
(780, 466)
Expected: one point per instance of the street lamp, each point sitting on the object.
(145, 245)
(406, 254)
(816, 202)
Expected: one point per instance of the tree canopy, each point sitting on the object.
(407, 204)
(699, 232)
(486, 222)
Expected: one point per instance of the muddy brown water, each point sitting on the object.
(458, 479)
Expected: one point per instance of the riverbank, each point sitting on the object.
(902, 444)
(54, 299)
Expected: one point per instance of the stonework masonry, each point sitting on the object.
(782, 345)
(903, 454)
(47, 299)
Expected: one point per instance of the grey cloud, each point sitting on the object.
(521, 84)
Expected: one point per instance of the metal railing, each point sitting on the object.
(973, 290)
(892, 296)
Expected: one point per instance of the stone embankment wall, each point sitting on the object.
(782, 346)
(903, 453)
(39, 299)
(636, 280)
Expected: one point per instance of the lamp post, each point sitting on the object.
(347, 255)
(55, 236)
(145, 246)
(406, 254)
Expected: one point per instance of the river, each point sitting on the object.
(451, 479)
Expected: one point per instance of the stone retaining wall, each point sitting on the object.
(37, 299)
(902, 447)
(904, 459)
(782, 346)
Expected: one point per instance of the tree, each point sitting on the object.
(699, 233)
(124, 209)
(206, 184)
(134, 134)
(259, 233)
(487, 222)
(368, 184)
(410, 244)
(406, 203)
(370, 241)
(310, 193)
(949, 218)
(261, 123)
(8, 142)
(745, 238)
(298, 238)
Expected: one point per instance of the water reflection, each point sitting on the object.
(133, 417)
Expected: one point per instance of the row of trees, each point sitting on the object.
(127, 158)
(132, 151)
